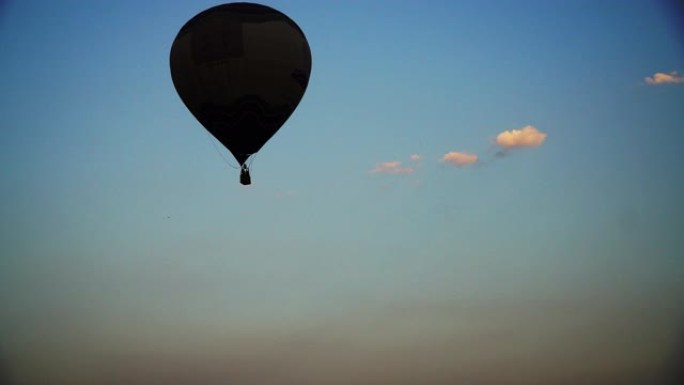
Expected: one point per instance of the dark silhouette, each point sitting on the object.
(241, 69)
(4, 373)
(674, 365)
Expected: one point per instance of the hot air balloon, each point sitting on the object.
(241, 69)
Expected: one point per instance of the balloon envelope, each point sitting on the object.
(241, 69)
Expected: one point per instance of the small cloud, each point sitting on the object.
(528, 136)
(415, 157)
(459, 158)
(662, 78)
(393, 167)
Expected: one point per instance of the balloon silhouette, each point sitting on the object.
(241, 69)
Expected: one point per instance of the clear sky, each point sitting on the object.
(475, 192)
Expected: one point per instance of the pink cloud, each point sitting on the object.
(393, 167)
(459, 158)
(660, 78)
(415, 157)
(528, 136)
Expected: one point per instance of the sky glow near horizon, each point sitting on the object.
(469, 192)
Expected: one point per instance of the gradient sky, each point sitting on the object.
(129, 252)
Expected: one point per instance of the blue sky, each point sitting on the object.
(129, 251)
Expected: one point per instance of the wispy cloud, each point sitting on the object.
(528, 136)
(459, 158)
(393, 167)
(660, 78)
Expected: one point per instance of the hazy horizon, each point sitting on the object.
(469, 193)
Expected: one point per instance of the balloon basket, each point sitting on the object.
(245, 179)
